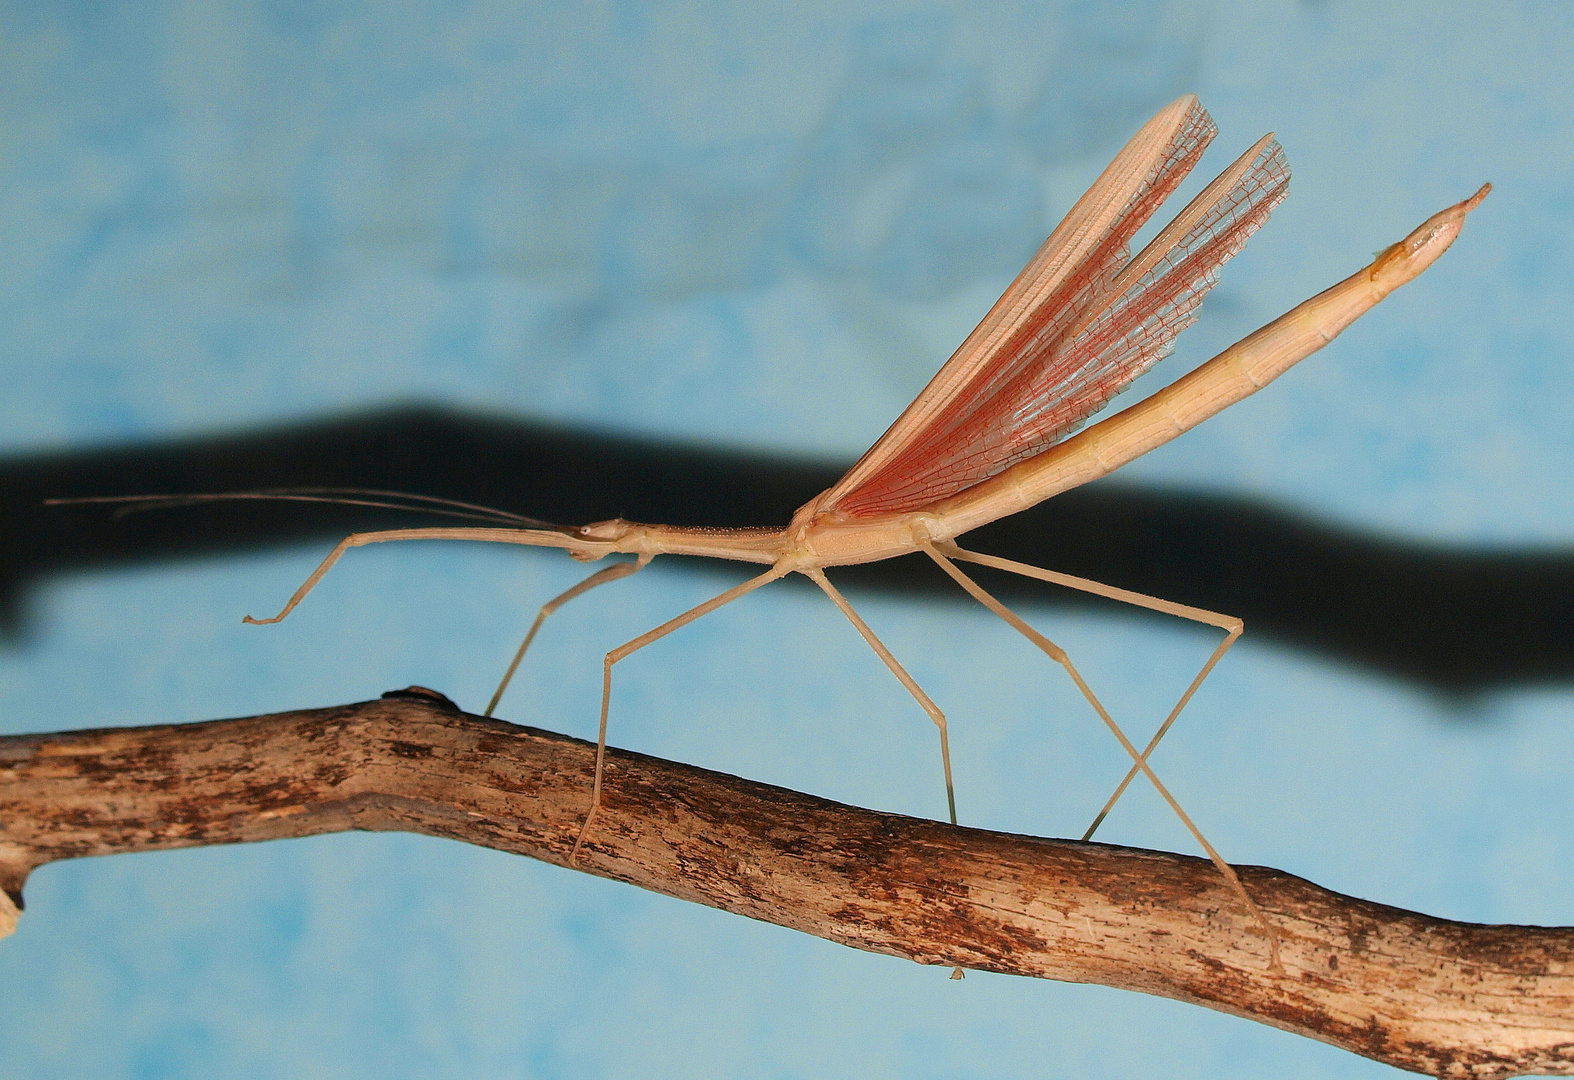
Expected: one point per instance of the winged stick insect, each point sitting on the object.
(989, 435)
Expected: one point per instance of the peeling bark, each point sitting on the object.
(1439, 997)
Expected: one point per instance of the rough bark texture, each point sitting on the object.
(1439, 997)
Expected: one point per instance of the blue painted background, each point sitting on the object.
(761, 226)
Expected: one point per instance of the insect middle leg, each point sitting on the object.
(1057, 654)
(1228, 623)
(600, 577)
(633, 646)
(819, 578)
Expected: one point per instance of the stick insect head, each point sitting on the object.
(613, 529)
(604, 537)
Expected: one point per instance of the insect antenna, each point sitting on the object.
(125, 505)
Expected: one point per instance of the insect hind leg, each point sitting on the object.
(1228, 623)
(1057, 654)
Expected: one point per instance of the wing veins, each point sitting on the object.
(1055, 383)
(1129, 190)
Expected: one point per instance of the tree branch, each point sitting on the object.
(1440, 997)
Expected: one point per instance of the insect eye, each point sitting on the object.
(605, 530)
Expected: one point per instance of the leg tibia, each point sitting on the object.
(1228, 623)
(1139, 760)
(819, 578)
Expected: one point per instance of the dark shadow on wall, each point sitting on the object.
(1454, 620)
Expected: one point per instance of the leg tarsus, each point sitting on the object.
(950, 790)
(310, 583)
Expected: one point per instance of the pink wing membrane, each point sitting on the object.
(1045, 382)
(1074, 266)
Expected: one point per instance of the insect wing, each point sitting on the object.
(1078, 260)
(1052, 381)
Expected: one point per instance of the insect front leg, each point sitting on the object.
(528, 537)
